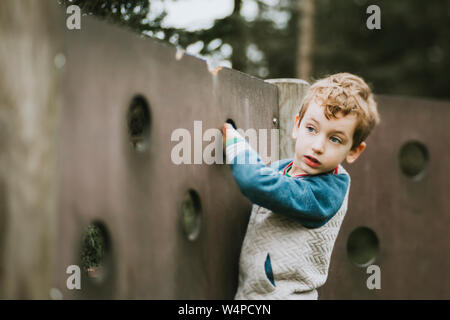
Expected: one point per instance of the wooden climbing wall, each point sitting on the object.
(77, 147)
(398, 192)
(136, 193)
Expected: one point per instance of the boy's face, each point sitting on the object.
(328, 141)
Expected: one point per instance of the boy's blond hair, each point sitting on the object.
(345, 93)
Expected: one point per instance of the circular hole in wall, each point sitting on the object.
(96, 252)
(138, 123)
(413, 159)
(362, 246)
(191, 214)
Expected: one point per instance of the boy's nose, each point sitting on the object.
(318, 145)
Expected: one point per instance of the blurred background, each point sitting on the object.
(304, 39)
(70, 168)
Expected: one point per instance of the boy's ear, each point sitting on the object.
(295, 128)
(354, 154)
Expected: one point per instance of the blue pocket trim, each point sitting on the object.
(268, 269)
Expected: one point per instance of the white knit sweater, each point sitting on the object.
(293, 225)
(300, 257)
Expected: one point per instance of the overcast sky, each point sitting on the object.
(196, 14)
(200, 14)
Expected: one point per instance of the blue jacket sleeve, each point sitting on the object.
(311, 200)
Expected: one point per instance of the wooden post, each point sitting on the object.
(290, 95)
(30, 99)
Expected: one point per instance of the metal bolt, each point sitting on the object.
(275, 121)
(59, 60)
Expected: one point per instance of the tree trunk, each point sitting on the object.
(306, 39)
(239, 43)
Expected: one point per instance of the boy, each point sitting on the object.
(299, 203)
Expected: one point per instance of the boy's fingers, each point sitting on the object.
(228, 126)
(224, 135)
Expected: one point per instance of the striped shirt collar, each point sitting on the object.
(288, 167)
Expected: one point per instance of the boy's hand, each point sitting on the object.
(228, 132)
(224, 135)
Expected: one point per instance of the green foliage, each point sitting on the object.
(233, 30)
(408, 56)
(92, 247)
(131, 13)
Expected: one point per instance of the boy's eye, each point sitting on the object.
(308, 128)
(336, 140)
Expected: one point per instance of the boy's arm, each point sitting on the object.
(311, 200)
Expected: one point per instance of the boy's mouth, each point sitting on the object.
(312, 161)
